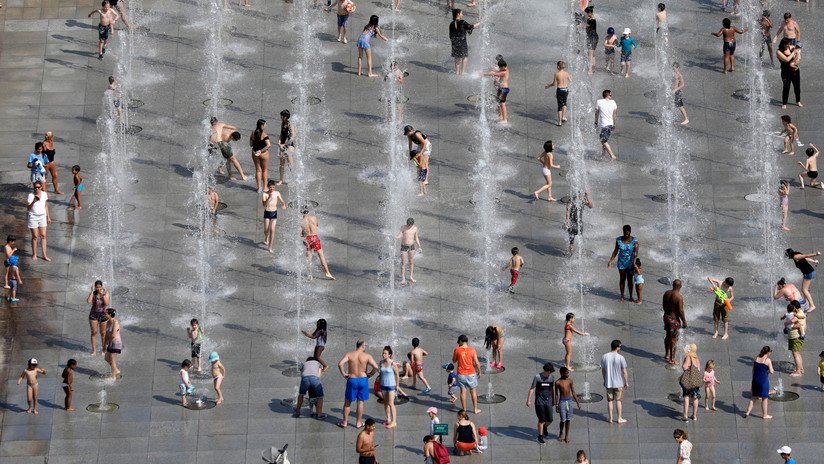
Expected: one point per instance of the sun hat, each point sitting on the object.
(213, 357)
(784, 450)
(627, 31)
(432, 410)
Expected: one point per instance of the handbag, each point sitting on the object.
(691, 377)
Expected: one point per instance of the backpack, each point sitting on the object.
(441, 453)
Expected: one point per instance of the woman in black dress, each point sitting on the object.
(458, 29)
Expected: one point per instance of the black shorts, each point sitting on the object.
(573, 230)
(270, 215)
(422, 175)
(679, 100)
(812, 174)
(103, 32)
(98, 317)
(543, 409)
(113, 350)
(195, 350)
(606, 132)
(113, 3)
(729, 47)
(366, 460)
(406, 248)
(592, 42)
(561, 95)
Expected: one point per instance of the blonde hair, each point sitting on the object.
(710, 366)
(691, 350)
(49, 136)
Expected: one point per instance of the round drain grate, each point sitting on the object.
(758, 198)
(105, 409)
(133, 129)
(313, 100)
(593, 398)
(220, 102)
(134, 103)
(491, 399)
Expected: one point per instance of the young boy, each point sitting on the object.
(565, 392)
(14, 280)
(720, 309)
(270, 200)
(108, 16)
(78, 185)
(766, 25)
(30, 374)
(451, 382)
(790, 135)
(68, 379)
(218, 374)
(502, 85)
(417, 364)
(627, 44)
(195, 333)
(514, 265)
(184, 385)
(610, 44)
(8, 250)
(821, 369)
(810, 168)
(561, 79)
(728, 32)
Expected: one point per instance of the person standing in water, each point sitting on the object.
(561, 79)
(220, 137)
(720, 309)
(661, 17)
(112, 342)
(270, 200)
(592, 37)
(501, 76)
(677, 86)
(804, 263)
(345, 8)
(309, 232)
(610, 45)
(575, 217)
(364, 45)
(728, 32)
(626, 250)
(108, 16)
(50, 165)
(606, 117)
(30, 374)
(543, 384)
(766, 25)
(218, 375)
(514, 265)
(458, 29)
(547, 163)
(674, 319)
(260, 143)
(99, 299)
(319, 336)
(421, 155)
(410, 245)
(286, 144)
(790, 293)
(357, 383)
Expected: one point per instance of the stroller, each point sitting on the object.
(276, 456)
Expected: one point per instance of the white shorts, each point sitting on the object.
(36, 221)
(546, 171)
(428, 149)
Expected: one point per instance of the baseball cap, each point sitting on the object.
(432, 410)
(610, 30)
(784, 450)
(33, 361)
(627, 31)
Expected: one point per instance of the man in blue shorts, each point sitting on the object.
(357, 381)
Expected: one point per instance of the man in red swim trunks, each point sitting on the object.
(309, 232)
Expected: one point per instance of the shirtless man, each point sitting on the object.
(30, 374)
(108, 16)
(357, 383)
(561, 79)
(219, 138)
(676, 92)
(365, 445)
(410, 244)
(421, 156)
(727, 32)
(673, 304)
(270, 200)
(766, 25)
(789, 29)
(502, 85)
(309, 232)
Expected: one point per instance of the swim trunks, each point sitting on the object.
(671, 325)
(561, 94)
(545, 170)
(502, 93)
(312, 242)
(223, 148)
(729, 47)
(357, 388)
(417, 367)
(679, 100)
(639, 279)
(103, 32)
(270, 215)
(606, 132)
(342, 19)
(719, 312)
(812, 174)
(195, 350)
(405, 248)
(422, 175)
(565, 409)
(626, 56)
(514, 277)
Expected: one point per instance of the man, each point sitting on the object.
(673, 305)
(543, 384)
(614, 372)
(606, 115)
(219, 138)
(676, 92)
(789, 29)
(309, 232)
(410, 244)
(108, 17)
(561, 79)
(357, 383)
(38, 218)
(365, 445)
(469, 371)
(785, 452)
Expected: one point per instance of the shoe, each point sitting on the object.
(541, 439)
(104, 50)
(14, 300)
(100, 56)
(511, 289)
(804, 337)
(426, 390)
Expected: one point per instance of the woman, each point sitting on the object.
(494, 340)
(761, 369)
(466, 435)
(592, 37)
(547, 163)
(319, 336)
(112, 342)
(802, 262)
(789, 56)
(790, 292)
(364, 47)
(286, 143)
(458, 29)
(38, 218)
(691, 361)
(684, 447)
(51, 166)
(389, 385)
(260, 143)
(99, 299)
(626, 249)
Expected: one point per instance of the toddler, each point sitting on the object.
(638, 279)
(451, 382)
(709, 385)
(14, 279)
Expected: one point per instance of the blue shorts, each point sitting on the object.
(809, 276)
(467, 381)
(388, 388)
(311, 384)
(626, 57)
(357, 389)
(342, 19)
(566, 410)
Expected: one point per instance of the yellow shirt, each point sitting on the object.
(821, 368)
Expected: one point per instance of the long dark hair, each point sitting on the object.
(766, 349)
(258, 133)
(491, 336)
(373, 22)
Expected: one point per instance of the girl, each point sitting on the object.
(51, 166)
(78, 185)
(761, 369)
(390, 379)
(639, 279)
(195, 332)
(494, 340)
(319, 336)
(803, 263)
(112, 342)
(547, 163)
(259, 141)
(684, 446)
(99, 299)
(567, 340)
(286, 143)
(581, 458)
(609, 50)
(365, 47)
(784, 197)
(709, 384)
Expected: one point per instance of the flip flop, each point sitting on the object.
(342, 425)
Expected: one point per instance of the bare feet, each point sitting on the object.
(685, 122)
(715, 335)
(535, 194)
(35, 413)
(330, 276)
(70, 410)
(28, 411)
(372, 75)
(412, 280)
(765, 417)
(58, 192)
(786, 229)
(726, 336)
(46, 258)
(358, 425)
(621, 420)
(477, 411)
(345, 41)
(550, 199)
(219, 402)
(713, 408)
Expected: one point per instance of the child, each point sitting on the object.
(627, 44)
(14, 280)
(790, 135)
(185, 387)
(795, 319)
(433, 419)
(766, 24)
(270, 200)
(638, 279)
(660, 16)
(609, 50)
(565, 392)
(709, 384)
(78, 185)
(810, 168)
(684, 446)
(195, 341)
(68, 378)
(345, 8)
(451, 382)
(728, 32)
(722, 305)
(567, 340)
(30, 374)
(8, 249)
(784, 196)
(218, 374)
(214, 199)
(417, 364)
(115, 96)
(319, 336)
(502, 85)
(421, 162)
(514, 265)
(581, 458)
(821, 369)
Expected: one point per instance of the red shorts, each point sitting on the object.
(515, 275)
(312, 242)
(464, 447)
(417, 367)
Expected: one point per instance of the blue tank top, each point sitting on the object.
(625, 252)
(387, 376)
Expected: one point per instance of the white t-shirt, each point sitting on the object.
(613, 364)
(605, 109)
(684, 450)
(39, 208)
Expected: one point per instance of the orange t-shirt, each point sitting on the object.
(465, 355)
